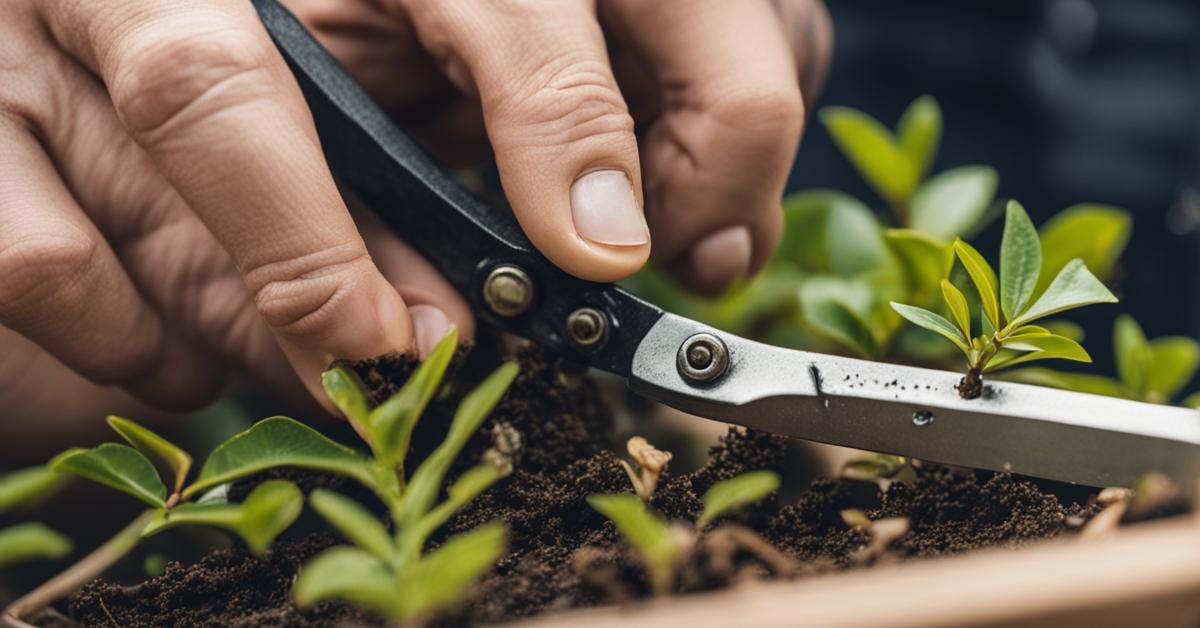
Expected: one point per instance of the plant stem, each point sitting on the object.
(75, 576)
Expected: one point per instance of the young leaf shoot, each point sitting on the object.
(391, 573)
(1010, 305)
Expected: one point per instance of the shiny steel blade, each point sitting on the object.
(915, 412)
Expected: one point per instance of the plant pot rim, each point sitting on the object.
(1148, 574)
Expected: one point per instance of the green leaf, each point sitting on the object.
(1079, 382)
(28, 487)
(1038, 348)
(1133, 354)
(1075, 286)
(1173, 363)
(853, 237)
(1191, 401)
(1096, 233)
(957, 304)
(933, 322)
(646, 531)
(393, 421)
(927, 260)
(31, 541)
(1065, 328)
(266, 512)
(474, 408)
(468, 486)
(345, 389)
(984, 279)
(803, 241)
(354, 522)
(348, 574)
(737, 492)
(278, 442)
(154, 447)
(873, 151)
(952, 203)
(831, 307)
(1020, 261)
(115, 466)
(443, 577)
(920, 132)
(830, 231)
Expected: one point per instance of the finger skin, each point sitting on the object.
(554, 116)
(60, 283)
(720, 152)
(203, 91)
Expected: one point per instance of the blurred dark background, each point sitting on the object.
(1070, 100)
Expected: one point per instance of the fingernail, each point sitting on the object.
(429, 326)
(722, 258)
(606, 211)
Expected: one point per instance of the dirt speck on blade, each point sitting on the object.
(562, 554)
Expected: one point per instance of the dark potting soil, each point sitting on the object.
(563, 554)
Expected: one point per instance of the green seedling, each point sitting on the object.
(840, 263)
(23, 489)
(391, 573)
(662, 546)
(1155, 370)
(947, 205)
(266, 512)
(1010, 306)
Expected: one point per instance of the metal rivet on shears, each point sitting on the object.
(508, 290)
(587, 328)
(702, 358)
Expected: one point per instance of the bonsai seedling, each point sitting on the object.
(1009, 306)
(661, 546)
(28, 541)
(392, 574)
(1155, 371)
(267, 511)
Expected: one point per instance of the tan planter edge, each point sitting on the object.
(1146, 575)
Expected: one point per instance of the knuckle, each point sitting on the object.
(564, 103)
(302, 295)
(42, 271)
(773, 107)
(162, 77)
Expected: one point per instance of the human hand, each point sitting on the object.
(166, 214)
(582, 102)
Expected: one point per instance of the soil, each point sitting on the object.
(564, 555)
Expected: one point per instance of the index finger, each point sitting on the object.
(201, 88)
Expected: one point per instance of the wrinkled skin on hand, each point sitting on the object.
(166, 216)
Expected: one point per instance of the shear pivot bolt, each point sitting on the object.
(587, 328)
(702, 358)
(508, 291)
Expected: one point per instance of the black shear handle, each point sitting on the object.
(463, 237)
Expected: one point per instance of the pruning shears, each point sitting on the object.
(915, 412)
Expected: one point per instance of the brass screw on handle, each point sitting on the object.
(508, 290)
(587, 328)
(702, 358)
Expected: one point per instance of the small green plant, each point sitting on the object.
(1155, 370)
(23, 542)
(1010, 306)
(662, 546)
(267, 511)
(392, 574)
(841, 263)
